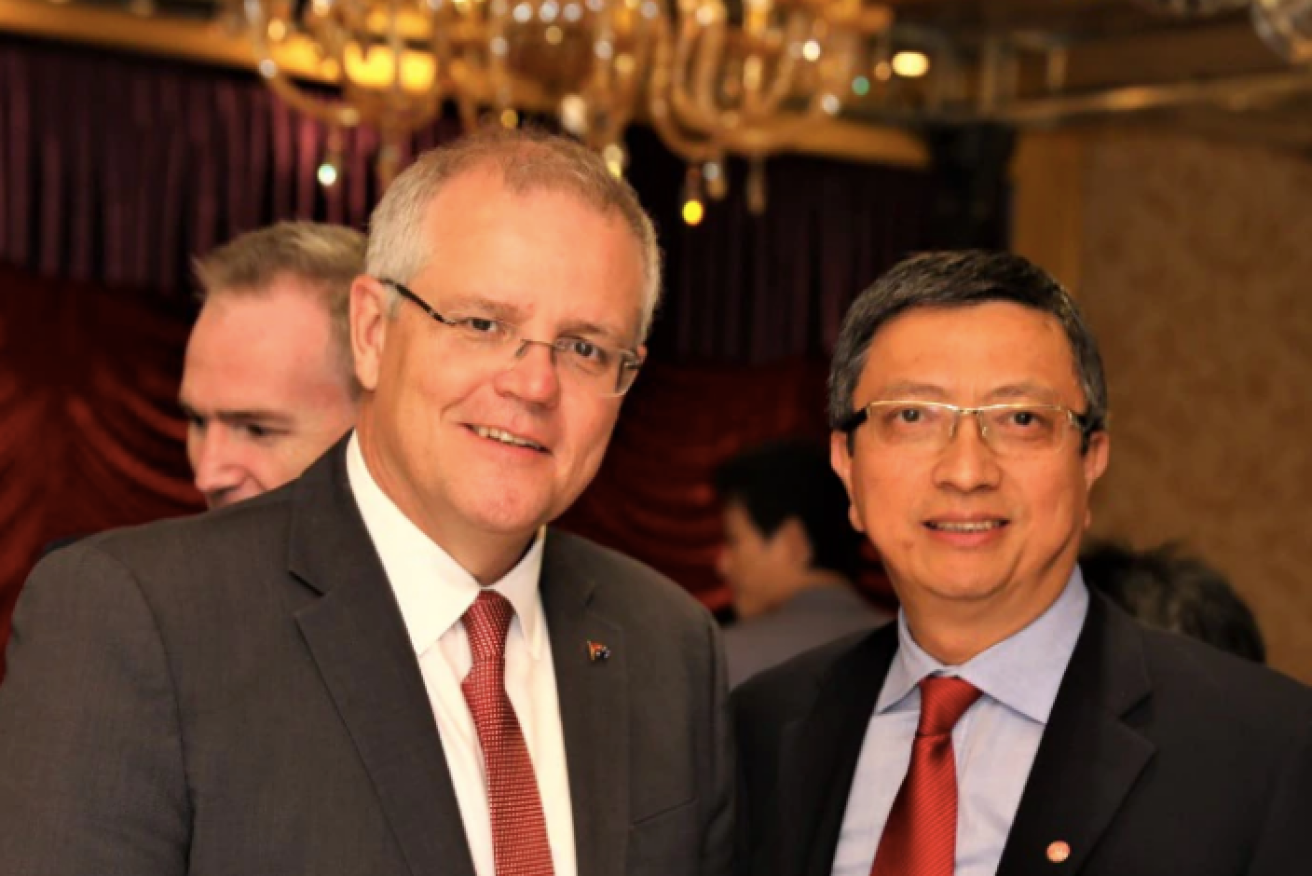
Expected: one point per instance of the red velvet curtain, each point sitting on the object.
(90, 434)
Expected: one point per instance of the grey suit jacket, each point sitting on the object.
(236, 694)
(810, 619)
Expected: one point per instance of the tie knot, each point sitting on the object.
(943, 701)
(487, 621)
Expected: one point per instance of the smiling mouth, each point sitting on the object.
(966, 526)
(506, 438)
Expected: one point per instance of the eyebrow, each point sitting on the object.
(1025, 390)
(515, 315)
(499, 310)
(910, 389)
(586, 329)
(239, 418)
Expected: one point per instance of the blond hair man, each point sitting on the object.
(268, 384)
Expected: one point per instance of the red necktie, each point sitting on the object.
(519, 828)
(920, 838)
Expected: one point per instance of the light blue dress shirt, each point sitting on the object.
(994, 742)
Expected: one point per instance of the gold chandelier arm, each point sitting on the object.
(692, 113)
(456, 38)
(498, 43)
(709, 52)
(332, 112)
(325, 111)
(615, 83)
(600, 88)
(688, 148)
(764, 138)
(629, 83)
(448, 67)
(781, 85)
(661, 90)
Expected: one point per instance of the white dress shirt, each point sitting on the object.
(994, 742)
(434, 592)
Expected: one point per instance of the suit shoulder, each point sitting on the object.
(165, 560)
(640, 586)
(791, 686)
(1256, 698)
(207, 529)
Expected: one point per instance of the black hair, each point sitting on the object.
(785, 479)
(961, 279)
(1168, 589)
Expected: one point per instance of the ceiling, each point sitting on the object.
(1063, 62)
(1031, 63)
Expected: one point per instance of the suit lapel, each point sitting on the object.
(357, 638)
(819, 752)
(1089, 758)
(594, 709)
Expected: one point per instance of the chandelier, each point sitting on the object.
(713, 79)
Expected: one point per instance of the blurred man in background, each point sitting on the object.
(790, 556)
(268, 383)
(1167, 589)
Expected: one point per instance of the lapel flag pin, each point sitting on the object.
(597, 651)
(1058, 851)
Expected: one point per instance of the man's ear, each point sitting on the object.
(791, 535)
(642, 357)
(840, 458)
(1095, 461)
(369, 324)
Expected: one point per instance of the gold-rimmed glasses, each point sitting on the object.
(1013, 429)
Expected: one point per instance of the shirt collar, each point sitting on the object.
(432, 589)
(1022, 671)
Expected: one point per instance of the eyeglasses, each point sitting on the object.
(1008, 430)
(484, 340)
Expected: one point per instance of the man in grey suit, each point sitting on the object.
(790, 557)
(391, 666)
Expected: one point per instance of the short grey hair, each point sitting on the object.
(528, 159)
(327, 258)
(961, 279)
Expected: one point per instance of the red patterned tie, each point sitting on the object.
(519, 828)
(920, 838)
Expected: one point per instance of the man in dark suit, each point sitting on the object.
(391, 665)
(1010, 722)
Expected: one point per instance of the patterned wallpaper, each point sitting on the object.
(1196, 273)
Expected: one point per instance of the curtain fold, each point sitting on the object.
(90, 432)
